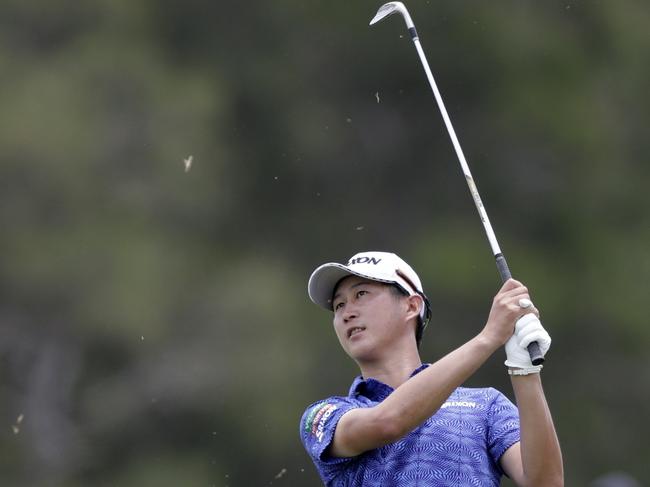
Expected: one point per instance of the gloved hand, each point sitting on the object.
(527, 329)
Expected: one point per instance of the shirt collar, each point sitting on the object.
(374, 389)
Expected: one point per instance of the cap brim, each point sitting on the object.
(325, 278)
(322, 282)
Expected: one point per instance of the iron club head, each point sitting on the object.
(389, 9)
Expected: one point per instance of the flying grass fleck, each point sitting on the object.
(16, 427)
(281, 473)
(188, 163)
(377, 96)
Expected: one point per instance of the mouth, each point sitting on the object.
(355, 330)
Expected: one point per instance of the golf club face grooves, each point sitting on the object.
(386, 10)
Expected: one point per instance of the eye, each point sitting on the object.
(362, 292)
(338, 306)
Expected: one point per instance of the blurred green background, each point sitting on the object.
(154, 322)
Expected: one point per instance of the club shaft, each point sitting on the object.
(533, 349)
(494, 244)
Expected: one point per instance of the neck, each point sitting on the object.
(393, 370)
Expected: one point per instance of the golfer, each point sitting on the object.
(408, 423)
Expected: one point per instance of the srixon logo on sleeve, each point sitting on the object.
(364, 260)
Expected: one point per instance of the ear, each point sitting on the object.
(414, 305)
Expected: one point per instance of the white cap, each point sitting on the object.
(376, 266)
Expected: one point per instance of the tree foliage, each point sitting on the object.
(154, 320)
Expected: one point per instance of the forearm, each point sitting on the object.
(422, 395)
(540, 449)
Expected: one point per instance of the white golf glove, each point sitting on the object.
(528, 329)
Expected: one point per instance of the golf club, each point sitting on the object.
(398, 7)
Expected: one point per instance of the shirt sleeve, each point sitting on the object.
(317, 428)
(503, 425)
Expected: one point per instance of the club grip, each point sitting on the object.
(502, 265)
(534, 351)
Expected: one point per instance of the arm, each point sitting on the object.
(537, 460)
(418, 398)
(364, 429)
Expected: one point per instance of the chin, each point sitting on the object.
(363, 354)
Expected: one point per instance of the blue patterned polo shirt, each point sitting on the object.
(460, 445)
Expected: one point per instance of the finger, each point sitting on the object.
(531, 325)
(525, 320)
(520, 304)
(529, 329)
(519, 291)
(526, 305)
(510, 284)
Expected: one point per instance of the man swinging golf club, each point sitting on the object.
(408, 423)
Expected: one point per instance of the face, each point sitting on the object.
(369, 319)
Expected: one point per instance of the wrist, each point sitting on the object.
(518, 371)
(488, 343)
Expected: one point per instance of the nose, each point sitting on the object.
(349, 315)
